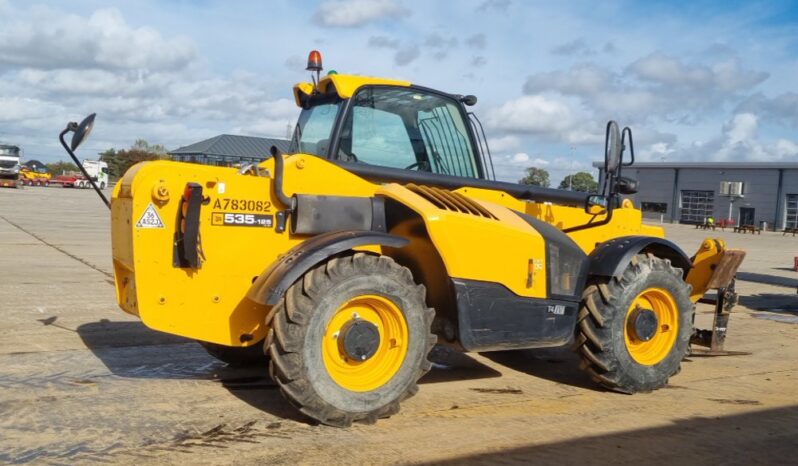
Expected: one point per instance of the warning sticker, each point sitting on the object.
(150, 218)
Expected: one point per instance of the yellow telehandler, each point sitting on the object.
(383, 232)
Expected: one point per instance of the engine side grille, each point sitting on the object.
(450, 200)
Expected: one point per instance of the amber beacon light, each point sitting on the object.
(314, 61)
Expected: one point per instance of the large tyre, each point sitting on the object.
(349, 340)
(238, 356)
(634, 331)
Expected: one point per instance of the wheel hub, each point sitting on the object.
(359, 339)
(643, 323)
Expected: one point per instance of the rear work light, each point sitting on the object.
(187, 249)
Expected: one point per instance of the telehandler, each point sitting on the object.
(384, 232)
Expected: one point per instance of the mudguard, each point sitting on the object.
(610, 258)
(272, 284)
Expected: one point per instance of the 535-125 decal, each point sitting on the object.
(243, 220)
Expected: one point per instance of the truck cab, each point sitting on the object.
(9, 161)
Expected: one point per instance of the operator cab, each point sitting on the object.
(389, 124)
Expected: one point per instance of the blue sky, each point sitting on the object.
(696, 81)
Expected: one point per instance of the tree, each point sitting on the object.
(144, 146)
(141, 151)
(581, 181)
(57, 168)
(536, 177)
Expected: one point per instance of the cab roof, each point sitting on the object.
(345, 85)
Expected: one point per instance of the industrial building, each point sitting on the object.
(762, 194)
(226, 150)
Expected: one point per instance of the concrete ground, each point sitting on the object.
(82, 382)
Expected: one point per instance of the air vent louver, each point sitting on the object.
(450, 200)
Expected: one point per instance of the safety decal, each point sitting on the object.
(150, 218)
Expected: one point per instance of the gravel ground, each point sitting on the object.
(82, 382)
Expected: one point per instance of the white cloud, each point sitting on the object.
(477, 41)
(655, 86)
(384, 42)
(46, 39)
(354, 13)
(785, 148)
(494, 5)
(725, 76)
(741, 128)
(738, 142)
(582, 80)
(780, 109)
(407, 55)
(574, 47)
(504, 143)
(532, 114)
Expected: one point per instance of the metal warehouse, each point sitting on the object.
(755, 193)
(227, 149)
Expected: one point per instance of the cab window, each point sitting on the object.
(312, 133)
(407, 128)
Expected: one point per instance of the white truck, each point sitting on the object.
(97, 169)
(9, 165)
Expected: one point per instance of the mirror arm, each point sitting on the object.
(607, 219)
(72, 126)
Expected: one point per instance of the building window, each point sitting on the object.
(657, 207)
(697, 206)
(792, 211)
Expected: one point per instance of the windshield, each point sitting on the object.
(407, 128)
(9, 151)
(312, 133)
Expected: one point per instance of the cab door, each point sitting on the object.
(408, 128)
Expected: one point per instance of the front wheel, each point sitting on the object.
(633, 331)
(349, 340)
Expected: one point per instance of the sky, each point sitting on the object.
(696, 81)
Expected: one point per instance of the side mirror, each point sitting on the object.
(82, 131)
(612, 147)
(626, 185)
(596, 204)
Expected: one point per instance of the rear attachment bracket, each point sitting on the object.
(722, 280)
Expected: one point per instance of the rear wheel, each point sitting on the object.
(634, 331)
(349, 341)
(238, 356)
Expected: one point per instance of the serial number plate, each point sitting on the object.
(226, 203)
(243, 220)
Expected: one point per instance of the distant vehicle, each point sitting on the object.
(9, 165)
(97, 169)
(34, 176)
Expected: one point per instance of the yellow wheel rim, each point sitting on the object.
(657, 348)
(374, 372)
